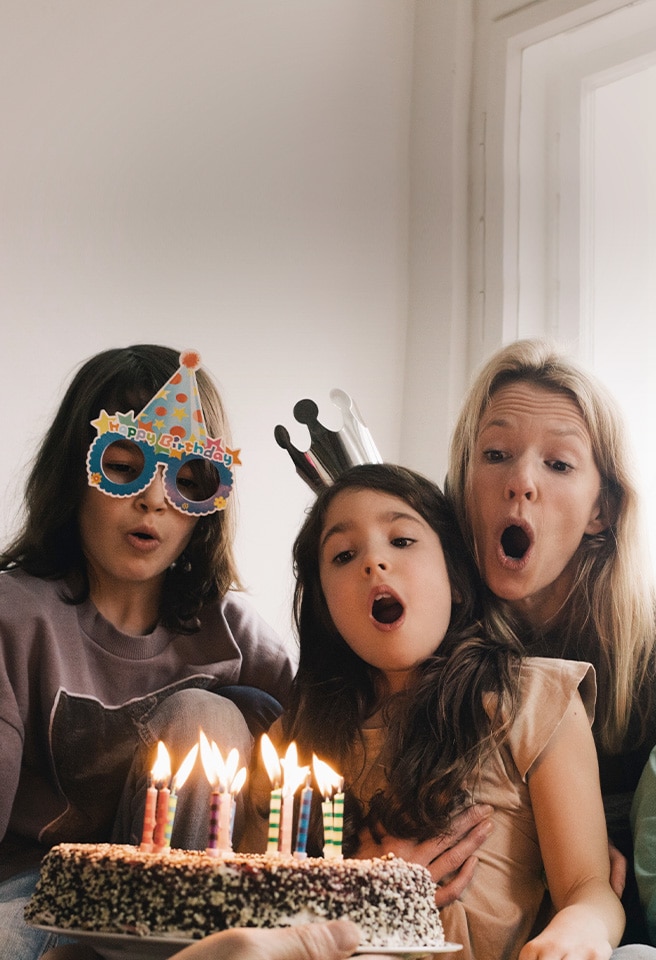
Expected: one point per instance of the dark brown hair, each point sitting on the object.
(440, 729)
(49, 546)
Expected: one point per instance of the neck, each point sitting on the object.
(132, 609)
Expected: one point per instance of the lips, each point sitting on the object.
(515, 542)
(143, 538)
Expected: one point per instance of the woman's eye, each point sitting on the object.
(493, 456)
(560, 466)
(402, 541)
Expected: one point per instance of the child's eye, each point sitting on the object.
(120, 472)
(402, 542)
(343, 557)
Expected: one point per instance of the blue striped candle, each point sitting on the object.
(303, 822)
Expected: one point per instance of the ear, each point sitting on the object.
(602, 515)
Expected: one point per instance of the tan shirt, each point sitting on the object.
(498, 912)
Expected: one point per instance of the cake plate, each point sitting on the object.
(123, 946)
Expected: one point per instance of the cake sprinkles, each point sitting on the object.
(116, 888)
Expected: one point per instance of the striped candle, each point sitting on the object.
(275, 809)
(338, 824)
(303, 821)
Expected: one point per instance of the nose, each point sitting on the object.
(153, 498)
(374, 561)
(521, 482)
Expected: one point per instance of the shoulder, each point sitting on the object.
(244, 620)
(16, 586)
(547, 688)
(548, 679)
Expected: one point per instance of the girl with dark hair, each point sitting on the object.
(424, 716)
(119, 621)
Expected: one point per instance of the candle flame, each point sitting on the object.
(271, 761)
(185, 769)
(327, 780)
(220, 773)
(208, 760)
(294, 775)
(238, 782)
(161, 772)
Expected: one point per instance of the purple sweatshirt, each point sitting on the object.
(73, 690)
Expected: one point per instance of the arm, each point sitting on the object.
(450, 858)
(566, 799)
(643, 823)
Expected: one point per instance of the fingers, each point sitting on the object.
(618, 865)
(320, 941)
(450, 891)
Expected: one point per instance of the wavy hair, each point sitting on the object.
(440, 730)
(48, 544)
(610, 615)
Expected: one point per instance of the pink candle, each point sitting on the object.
(149, 819)
(161, 820)
(213, 840)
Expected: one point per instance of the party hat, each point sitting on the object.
(170, 430)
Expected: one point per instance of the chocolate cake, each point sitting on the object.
(115, 888)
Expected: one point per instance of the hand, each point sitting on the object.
(449, 857)
(618, 866)
(333, 940)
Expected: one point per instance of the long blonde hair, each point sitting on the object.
(610, 615)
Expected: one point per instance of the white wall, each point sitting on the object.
(230, 175)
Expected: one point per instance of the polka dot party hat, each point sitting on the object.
(171, 431)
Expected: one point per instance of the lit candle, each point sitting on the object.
(303, 820)
(338, 820)
(293, 777)
(160, 775)
(149, 819)
(161, 819)
(332, 808)
(226, 782)
(178, 781)
(272, 764)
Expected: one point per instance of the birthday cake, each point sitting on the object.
(114, 888)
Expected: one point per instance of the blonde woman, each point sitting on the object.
(542, 481)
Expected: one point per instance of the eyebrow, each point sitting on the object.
(347, 525)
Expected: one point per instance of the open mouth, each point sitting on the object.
(386, 609)
(515, 542)
(143, 536)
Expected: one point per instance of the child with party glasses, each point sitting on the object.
(119, 626)
(423, 716)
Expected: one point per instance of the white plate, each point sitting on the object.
(416, 951)
(123, 946)
(120, 946)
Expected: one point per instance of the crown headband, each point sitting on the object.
(170, 430)
(331, 452)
